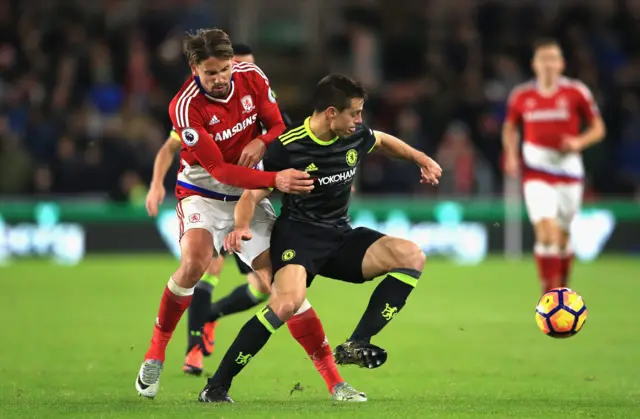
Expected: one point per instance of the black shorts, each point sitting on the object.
(242, 267)
(336, 253)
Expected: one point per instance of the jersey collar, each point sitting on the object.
(215, 99)
(307, 128)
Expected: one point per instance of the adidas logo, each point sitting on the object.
(312, 167)
(214, 120)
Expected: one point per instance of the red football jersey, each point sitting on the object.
(546, 120)
(214, 132)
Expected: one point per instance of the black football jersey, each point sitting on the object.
(332, 164)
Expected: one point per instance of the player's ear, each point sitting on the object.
(193, 69)
(331, 112)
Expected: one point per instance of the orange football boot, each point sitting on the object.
(209, 337)
(193, 362)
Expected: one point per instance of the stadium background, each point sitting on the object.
(84, 88)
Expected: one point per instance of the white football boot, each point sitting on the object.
(343, 392)
(148, 380)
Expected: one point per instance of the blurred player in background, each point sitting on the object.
(551, 110)
(218, 115)
(200, 342)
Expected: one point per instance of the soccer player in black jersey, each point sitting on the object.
(312, 236)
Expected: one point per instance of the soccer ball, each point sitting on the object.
(561, 313)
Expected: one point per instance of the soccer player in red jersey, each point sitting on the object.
(216, 115)
(551, 110)
(200, 341)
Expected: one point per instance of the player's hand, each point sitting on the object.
(294, 181)
(252, 153)
(155, 196)
(571, 144)
(430, 171)
(511, 165)
(233, 241)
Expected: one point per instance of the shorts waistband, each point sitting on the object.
(209, 194)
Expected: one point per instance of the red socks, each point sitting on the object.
(307, 329)
(549, 266)
(173, 304)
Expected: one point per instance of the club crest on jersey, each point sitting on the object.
(530, 103)
(247, 103)
(190, 137)
(194, 218)
(352, 157)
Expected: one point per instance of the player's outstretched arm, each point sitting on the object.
(191, 128)
(395, 147)
(161, 165)
(203, 146)
(243, 214)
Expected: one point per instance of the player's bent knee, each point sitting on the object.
(406, 254)
(194, 262)
(193, 267)
(285, 308)
(287, 302)
(288, 291)
(417, 258)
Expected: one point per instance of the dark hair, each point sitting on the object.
(337, 91)
(206, 43)
(242, 49)
(544, 43)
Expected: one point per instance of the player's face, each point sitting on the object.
(215, 75)
(344, 123)
(548, 62)
(248, 58)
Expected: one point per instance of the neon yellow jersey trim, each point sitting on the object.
(307, 128)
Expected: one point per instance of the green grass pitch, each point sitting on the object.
(465, 346)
